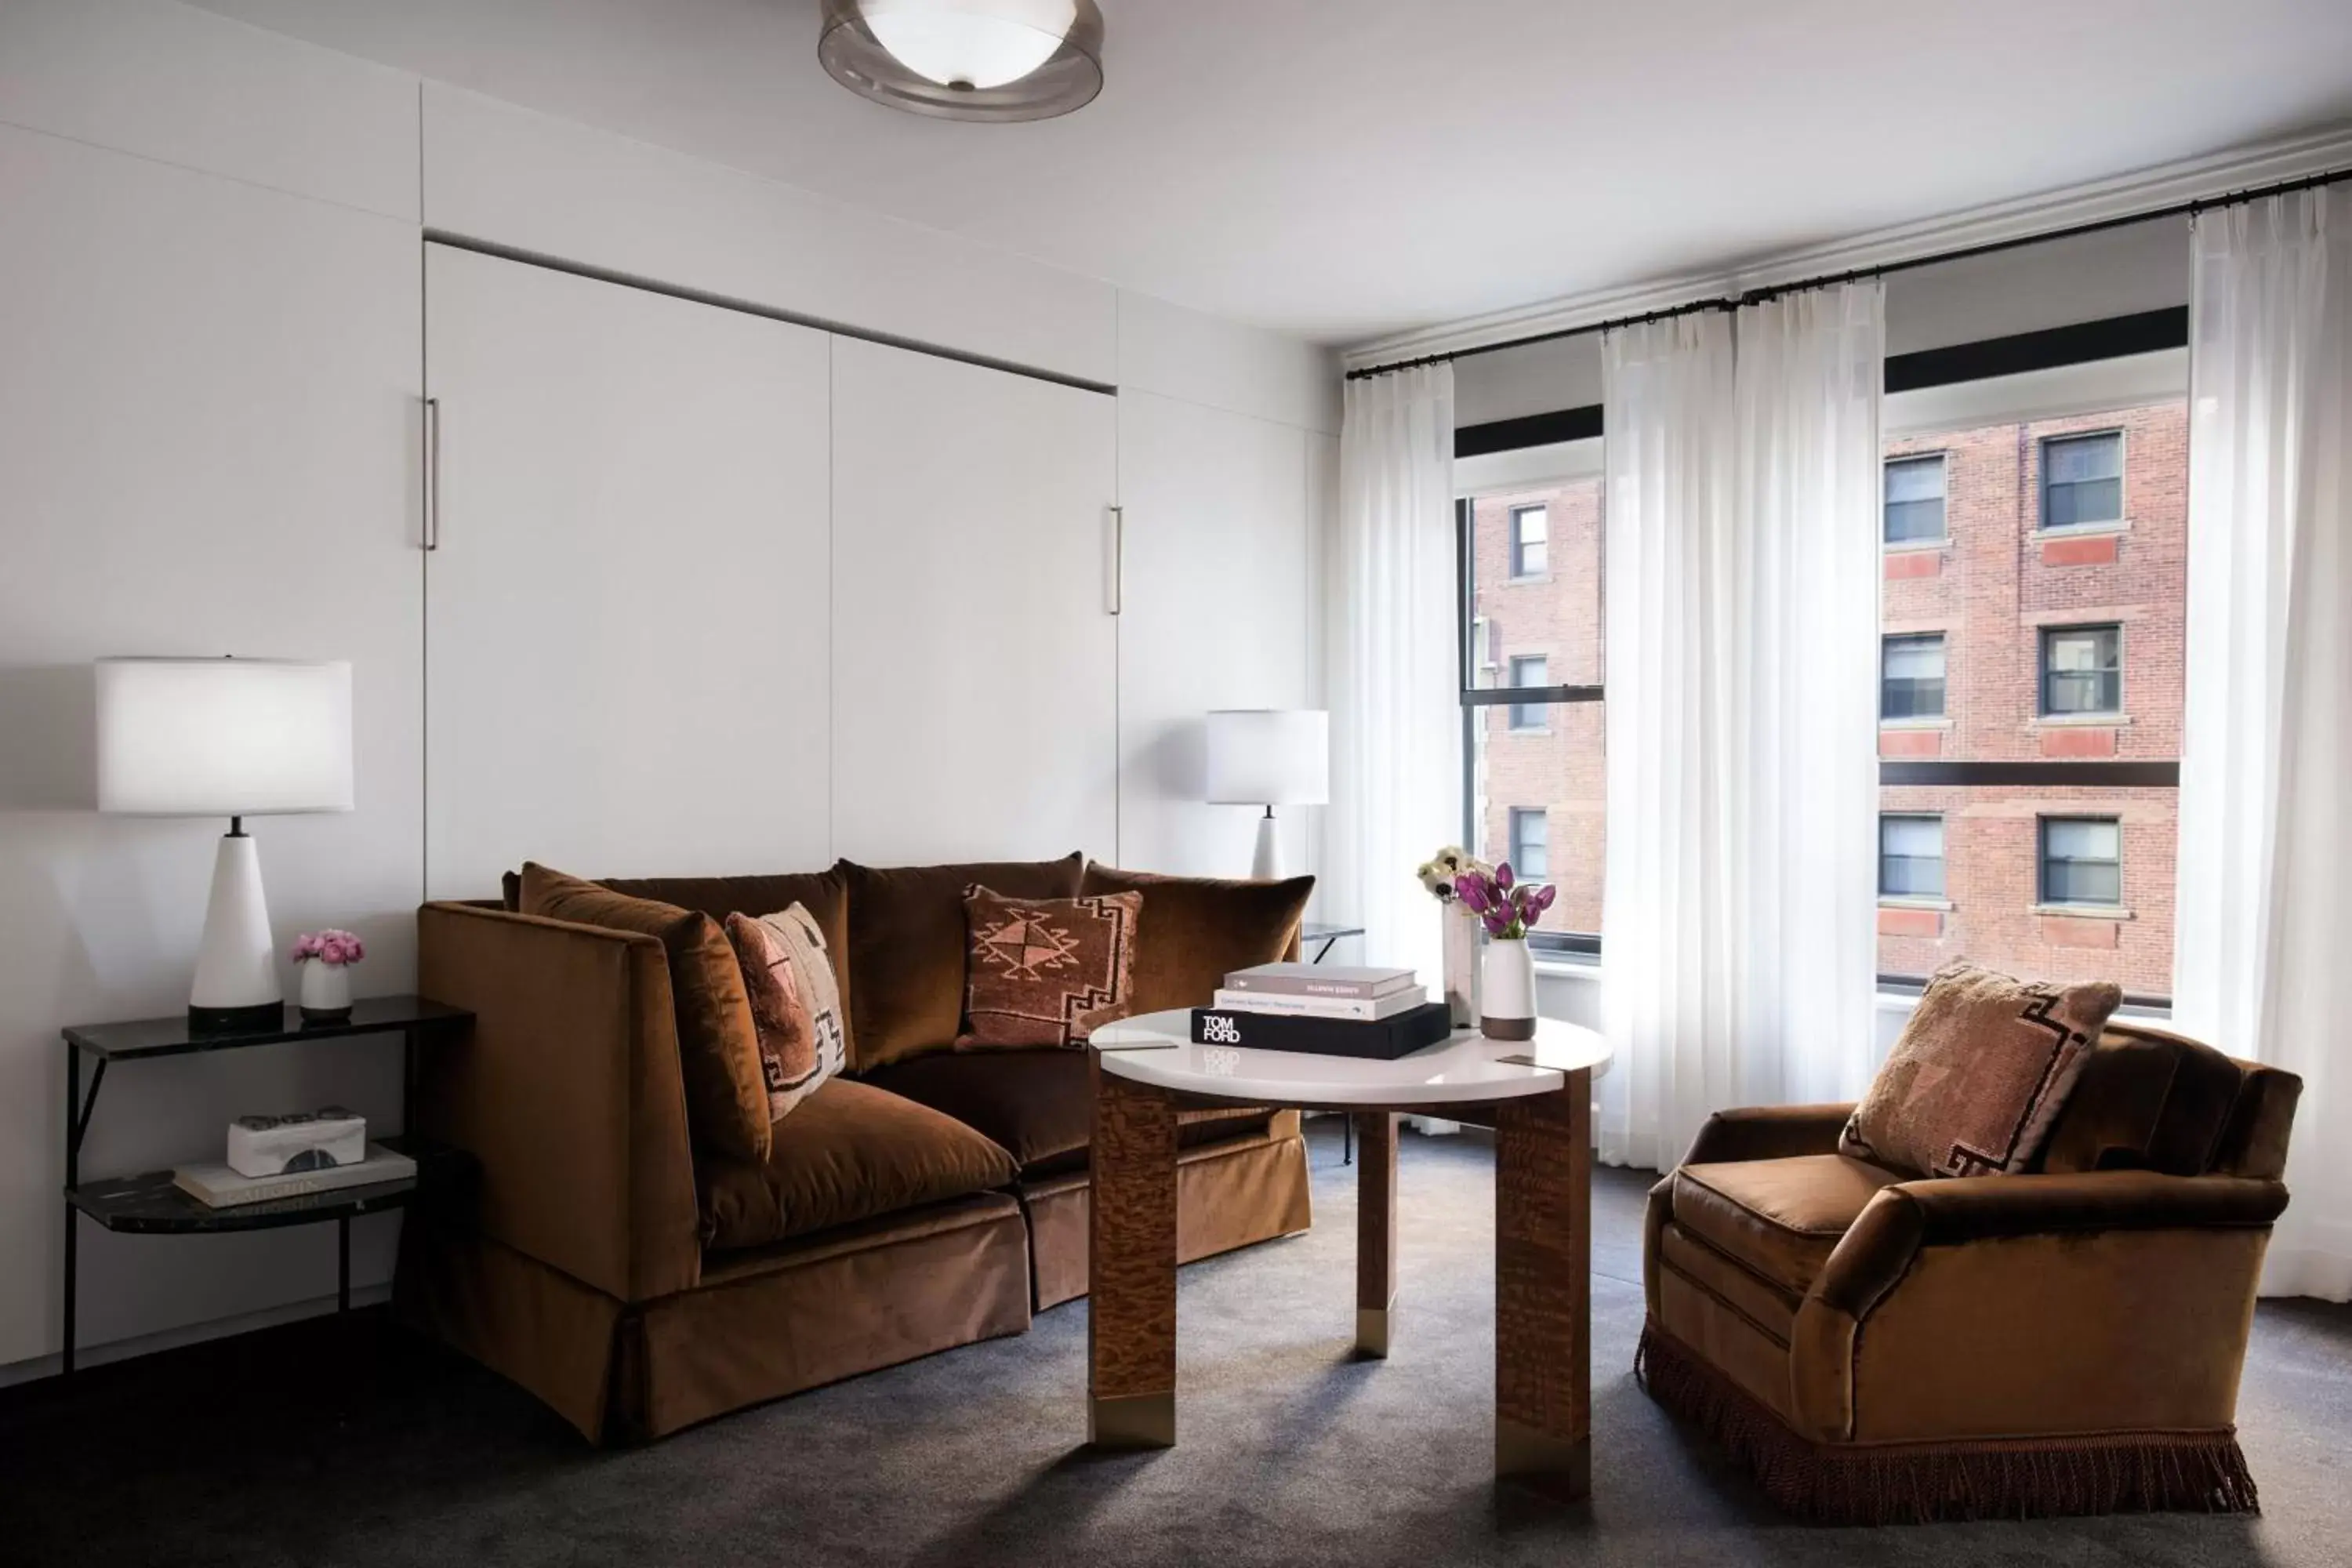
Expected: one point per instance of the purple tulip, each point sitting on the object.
(1544, 897)
(1472, 891)
(1503, 876)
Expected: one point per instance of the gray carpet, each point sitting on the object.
(347, 1442)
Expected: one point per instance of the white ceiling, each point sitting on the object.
(1347, 168)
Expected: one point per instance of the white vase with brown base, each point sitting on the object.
(1506, 989)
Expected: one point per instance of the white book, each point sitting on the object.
(219, 1187)
(1351, 1009)
(1320, 980)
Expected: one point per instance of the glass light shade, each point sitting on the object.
(967, 59)
(223, 737)
(1262, 757)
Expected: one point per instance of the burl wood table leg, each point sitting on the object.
(1543, 1320)
(1376, 1212)
(1131, 1267)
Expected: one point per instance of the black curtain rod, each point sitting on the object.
(1831, 280)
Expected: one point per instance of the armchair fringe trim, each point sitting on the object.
(2020, 1478)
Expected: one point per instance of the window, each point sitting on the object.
(1911, 677)
(1530, 844)
(1915, 499)
(2082, 860)
(2083, 480)
(1528, 669)
(1530, 540)
(1910, 857)
(1534, 785)
(2082, 671)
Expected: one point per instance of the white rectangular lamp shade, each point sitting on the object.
(1266, 756)
(223, 737)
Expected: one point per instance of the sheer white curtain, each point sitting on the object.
(2265, 916)
(1742, 591)
(1396, 715)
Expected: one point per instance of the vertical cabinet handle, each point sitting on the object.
(1116, 588)
(432, 473)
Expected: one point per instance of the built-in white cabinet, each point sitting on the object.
(1217, 615)
(627, 611)
(974, 650)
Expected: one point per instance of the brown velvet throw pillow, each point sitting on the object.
(906, 948)
(1044, 971)
(1979, 1075)
(792, 1004)
(1197, 930)
(718, 1044)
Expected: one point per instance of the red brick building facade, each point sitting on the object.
(2060, 638)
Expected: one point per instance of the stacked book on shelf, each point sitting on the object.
(1327, 1010)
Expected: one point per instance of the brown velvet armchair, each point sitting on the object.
(1876, 1348)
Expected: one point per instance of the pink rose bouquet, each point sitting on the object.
(337, 947)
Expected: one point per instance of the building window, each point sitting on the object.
(2082, 860)
(2083, 480)
(1529, 669)
(2082, 671)
(1915, 499)
(1530, 540)
(1530, 843)
(1911, 677)
(1910, 857)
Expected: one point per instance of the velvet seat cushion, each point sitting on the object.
(1037, 1103)
(1195, 930)
(1779, 1218)
(906, 947)
(847, 1152)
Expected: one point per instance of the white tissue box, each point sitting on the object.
(306, 1140)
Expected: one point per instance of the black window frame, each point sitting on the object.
(2042, 500)
(1518, 546)
(2045, 896)
(1886, 642)
(1525, 718)
(1942, 856)
(1943, 534)
(2110, 675)
(2082, 342)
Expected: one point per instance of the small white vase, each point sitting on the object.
(1506, 990)
(1461, 963)
(326, 988)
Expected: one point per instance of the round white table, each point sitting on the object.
(1537, 1095)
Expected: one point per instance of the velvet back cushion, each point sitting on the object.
(794, 1005)
(906, 948)
(1194, 930)
(1044, 971)
(1980, 1074)
(718, 1043)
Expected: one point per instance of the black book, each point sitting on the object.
(1384, 1040)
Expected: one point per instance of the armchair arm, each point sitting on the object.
(568, 1091)
(1904, 1218)
(1768, 1133)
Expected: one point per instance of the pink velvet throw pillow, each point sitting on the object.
(794, 1010)
(1979, 1075)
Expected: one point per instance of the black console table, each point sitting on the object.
(150, 1205)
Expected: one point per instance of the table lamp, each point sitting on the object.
(234, 738)
(1269, 757)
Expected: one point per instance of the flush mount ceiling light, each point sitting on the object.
(967, 59)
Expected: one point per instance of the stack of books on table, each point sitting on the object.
(1327, 1010)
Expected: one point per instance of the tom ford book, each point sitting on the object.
(1384, 1040)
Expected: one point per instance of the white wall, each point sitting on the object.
(210, 299)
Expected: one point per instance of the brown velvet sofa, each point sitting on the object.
(638, 1283)
(1881, 1348)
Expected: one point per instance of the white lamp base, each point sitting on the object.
(236, 966)
(1267, 865)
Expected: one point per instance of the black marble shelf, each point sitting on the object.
(149, 1205)
(171, 1036)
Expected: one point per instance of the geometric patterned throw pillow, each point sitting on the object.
(1979, 1075)
(1045, 972)
(795, 1002)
